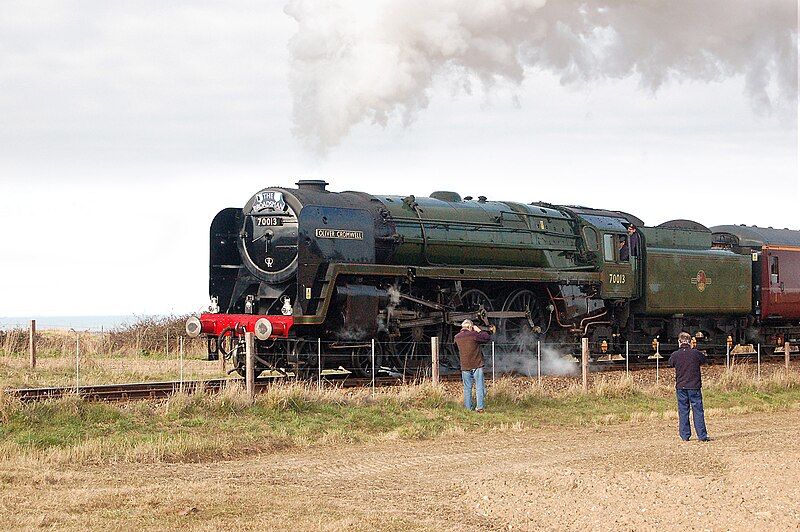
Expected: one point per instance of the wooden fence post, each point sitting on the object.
(787, 348)
(250, 365)
(373, 367)
(32, 344)
(77, 362)
(758, 362)
(435, 360)
(492, 361)
(180, 354)
(539, 362)
(585, 363)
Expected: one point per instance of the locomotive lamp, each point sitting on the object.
(655, 344)
(729, 341)
(263, 329)
(286, 309)
(604, 346)
(193, 327)
(694, 342)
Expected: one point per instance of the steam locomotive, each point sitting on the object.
(299, 266)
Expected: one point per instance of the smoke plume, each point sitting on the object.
(523, 355)
(376, 61)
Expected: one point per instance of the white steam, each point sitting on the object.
(394, 300)
(527, 360)
(356, 61)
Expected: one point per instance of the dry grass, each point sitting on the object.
(147, 350)
(204, 427)
(100, 369)
(745, 376)
(201, 427)
(147, 335)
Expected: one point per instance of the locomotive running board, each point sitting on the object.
(455, 318)
(445, 273)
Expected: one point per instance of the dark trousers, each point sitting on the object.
(693, 398)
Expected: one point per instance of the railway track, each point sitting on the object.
(156, 390)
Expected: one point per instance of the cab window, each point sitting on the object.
(590, 235)
(608, 248)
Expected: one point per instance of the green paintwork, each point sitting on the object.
(438, 232)
(618, 280)
(660, 237)
(673, 285)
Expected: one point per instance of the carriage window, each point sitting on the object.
(773, 270)
(608, 247)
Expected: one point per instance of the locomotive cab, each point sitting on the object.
(605, 235)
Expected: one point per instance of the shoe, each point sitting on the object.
(705, 440)
(479, 410)
(687, 439)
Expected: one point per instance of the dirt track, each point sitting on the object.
(627, 476)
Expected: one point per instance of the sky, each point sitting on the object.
(125, 127)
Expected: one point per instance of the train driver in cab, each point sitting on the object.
(634, 242)
(624, 250)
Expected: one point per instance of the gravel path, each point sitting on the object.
(631, 476)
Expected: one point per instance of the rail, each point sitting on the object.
(158, 390)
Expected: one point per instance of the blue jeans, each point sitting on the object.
(687, 397)
(469, 376)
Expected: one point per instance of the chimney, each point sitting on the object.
(315, 185)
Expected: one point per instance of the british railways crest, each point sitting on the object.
(701, 280)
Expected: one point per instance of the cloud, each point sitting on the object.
(152, 81)
(354, 62)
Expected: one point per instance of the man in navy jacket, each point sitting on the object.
(634, 243)
(688, 384)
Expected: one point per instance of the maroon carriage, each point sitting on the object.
(776, 275)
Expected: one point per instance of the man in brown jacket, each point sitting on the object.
(469, 341)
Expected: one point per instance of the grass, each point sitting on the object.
(52, 369)
(146, 350)
(203, 427)
(145, 335)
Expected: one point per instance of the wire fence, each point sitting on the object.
(321, 361)
(67, 357)
(528, 359)
(70, 357)
(142, 340)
